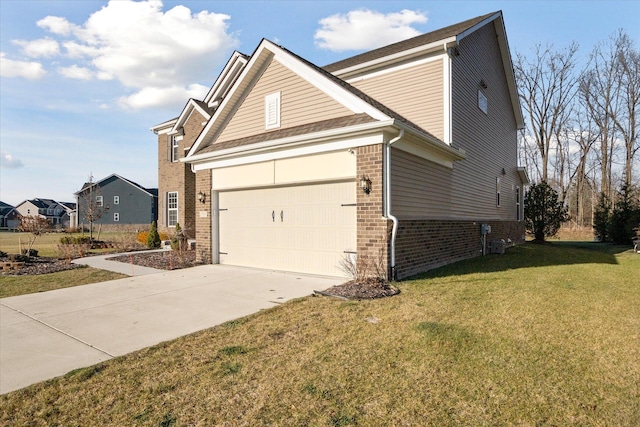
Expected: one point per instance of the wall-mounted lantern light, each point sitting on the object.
(202, 197)
(365, 184)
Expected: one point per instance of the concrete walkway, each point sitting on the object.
(48, 334)
(130, 269)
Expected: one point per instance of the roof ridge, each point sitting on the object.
(422, 39)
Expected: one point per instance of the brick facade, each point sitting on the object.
(203, 220)
(373, 228)
(422, 245)
(177, 176)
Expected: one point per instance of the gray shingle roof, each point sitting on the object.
(423, 39)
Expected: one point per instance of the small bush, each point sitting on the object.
(77, 240)
(153, 238)
(142, 236)
(32, 253)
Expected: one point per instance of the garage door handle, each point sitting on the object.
(273, 216)
(281, 216)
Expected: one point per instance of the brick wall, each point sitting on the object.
(422, 245)
(203, 225)
(373, 228)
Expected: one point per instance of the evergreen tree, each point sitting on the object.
(153, 238)
(601, 218)
(544, 214)
(625, 217)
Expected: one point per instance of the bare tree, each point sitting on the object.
(626, 121)
(35, 225)
(547, 85)
(600, 93)
(91, 204)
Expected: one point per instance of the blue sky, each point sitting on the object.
(83, 81)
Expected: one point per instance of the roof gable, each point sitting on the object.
(118, 177)
(260, 60)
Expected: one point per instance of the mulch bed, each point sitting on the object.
(369, 288)
(40, 265)
(168, 260)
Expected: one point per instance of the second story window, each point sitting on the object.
(99, 201)
(174, 148)
(116, 200)
(172, 208)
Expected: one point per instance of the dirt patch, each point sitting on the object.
(362, 289)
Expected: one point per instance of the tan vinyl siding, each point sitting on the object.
(420, 188)
(490, 140)
(415, 92)
(300, 103)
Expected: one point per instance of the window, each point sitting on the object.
(98, 200)
(116, 200)
(116, 217)
(272, 111)
(483, 104)
(518, 210)
(498, 191)
(174, 148)
(172, 208)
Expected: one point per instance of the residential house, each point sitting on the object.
(405, 155)
(59, 214)
(9, 217)
(116, 201)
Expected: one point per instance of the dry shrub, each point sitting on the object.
(142, 236)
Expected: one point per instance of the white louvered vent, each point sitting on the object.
(272, 111)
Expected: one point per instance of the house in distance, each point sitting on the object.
(406, 154)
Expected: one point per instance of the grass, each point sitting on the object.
(19, 285)
(543, 335)
(47, 244)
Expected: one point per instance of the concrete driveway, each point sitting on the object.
(48, 334)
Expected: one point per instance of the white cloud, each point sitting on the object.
(7, 161)
(366, 29)
(39, 48)
(56, 25)
(25, 69)
(153, 52)
(162, 96)
(75, 72)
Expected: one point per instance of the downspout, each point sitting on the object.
(387, 200)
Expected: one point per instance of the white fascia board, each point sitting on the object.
(507, 64)
(524, 176)
(292, 140)
(227, 73)
(186, 113)
(447, 98)
(290, 151)
(479, 25)
(428, 147)
(399, 56)
(230, 94)
(163, 127)
(354, 103)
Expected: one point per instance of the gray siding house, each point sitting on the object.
(119, 201)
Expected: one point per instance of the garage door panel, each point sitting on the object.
(303, 229)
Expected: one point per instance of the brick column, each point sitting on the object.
(373, 229)
(203, 217)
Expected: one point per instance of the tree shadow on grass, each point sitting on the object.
(533, 255)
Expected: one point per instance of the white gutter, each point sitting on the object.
(387, 200)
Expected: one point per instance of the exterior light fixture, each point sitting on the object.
(483, 84)
(365, 184)
(201, 197)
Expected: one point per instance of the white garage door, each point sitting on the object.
(303, 229)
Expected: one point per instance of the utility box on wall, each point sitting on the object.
(497, 246)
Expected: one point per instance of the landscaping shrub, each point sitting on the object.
(31, 252)
(153, 238)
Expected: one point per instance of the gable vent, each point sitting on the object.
(272, 111)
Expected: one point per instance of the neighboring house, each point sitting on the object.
(59, 214)
(404, 155)
(9, 217)
(119, 201)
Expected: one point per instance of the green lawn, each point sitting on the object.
(47, 244)
(19, 285)
(543, 335)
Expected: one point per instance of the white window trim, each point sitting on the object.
(272, 111)
(99, 201)
(116, 217)
(175, 142)
(170, 209)
(498, 201)
(518, 204)
(116, 200)
(483, 102)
